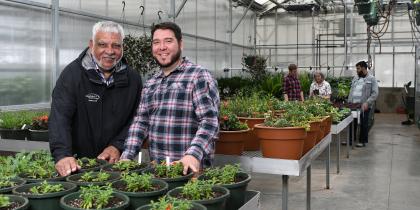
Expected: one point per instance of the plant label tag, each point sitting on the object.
(168, 160)
(139, 158)
(24, 126)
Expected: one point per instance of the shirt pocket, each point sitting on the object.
(176, 91)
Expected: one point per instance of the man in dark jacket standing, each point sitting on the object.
(93, 102)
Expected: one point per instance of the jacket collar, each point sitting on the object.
(120, 73)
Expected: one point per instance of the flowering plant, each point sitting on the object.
(230, 122)
(40, 123)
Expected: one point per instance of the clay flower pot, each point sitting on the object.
(231, 142)
(328, 123)
(251, 142)
(321, 132)
(311, 137)
(283, 143)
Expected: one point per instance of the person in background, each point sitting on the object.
(179, 108)
(319, 86)
(363, 91)
(93, 102)
(291, 85)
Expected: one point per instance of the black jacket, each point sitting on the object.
(86, 115)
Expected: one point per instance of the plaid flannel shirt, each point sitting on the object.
(178, 114)
(291, 87)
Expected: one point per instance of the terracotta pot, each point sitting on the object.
(231, 142)
(321, 131)
(283, 143)
(311, 137)
(328, 124)
(251, 142)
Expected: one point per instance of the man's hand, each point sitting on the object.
(191, 162)
(66, 166)
(110, 154)
(365, 106)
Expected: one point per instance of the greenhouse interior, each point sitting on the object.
(210, 104)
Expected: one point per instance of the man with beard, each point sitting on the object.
(93, 101)
(178, 111)
(363, 91)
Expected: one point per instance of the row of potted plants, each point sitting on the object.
(285, 127)
(152, 181)
(21, 125)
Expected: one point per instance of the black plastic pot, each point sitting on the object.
(32, 180)
(196, 206)
(44, 201)
(24, 202)
(138, 199)
(102, 163)
(172, 182)
(218, 203)
(39, 135)
(75, 179)
(64, 200)
(14, 134)
(17, 180)
(237, 191)
(142, 167)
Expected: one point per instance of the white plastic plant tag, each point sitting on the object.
(139, 161)
(24, 126)
(168, 161)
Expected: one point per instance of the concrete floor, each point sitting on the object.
(385, 175)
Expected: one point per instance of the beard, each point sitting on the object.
(361, 74)
(174, 59)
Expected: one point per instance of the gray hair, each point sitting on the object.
(320, 74)
(109, 27)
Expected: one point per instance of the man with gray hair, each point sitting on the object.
(93, 101)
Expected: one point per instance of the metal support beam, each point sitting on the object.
(240, 20)
(275, 38)
(55, 70)
(180, 8)
(230, 34)
(172, 10)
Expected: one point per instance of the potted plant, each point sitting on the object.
(170, 203)
(95, 197)
(93, 178)
(204, 192)
(233, 179)
(126, 166)
(138, 53)
(8, 183)
(90, 164)
(13, 124)
(13, 202)
(256, 66)
(232, 134)
(36, 166)
(39, 128)
(283, 137)
(45, 195)
(249, 109)
(141, 189)
(170, 173)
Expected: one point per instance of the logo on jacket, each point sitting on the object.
(92, 97)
